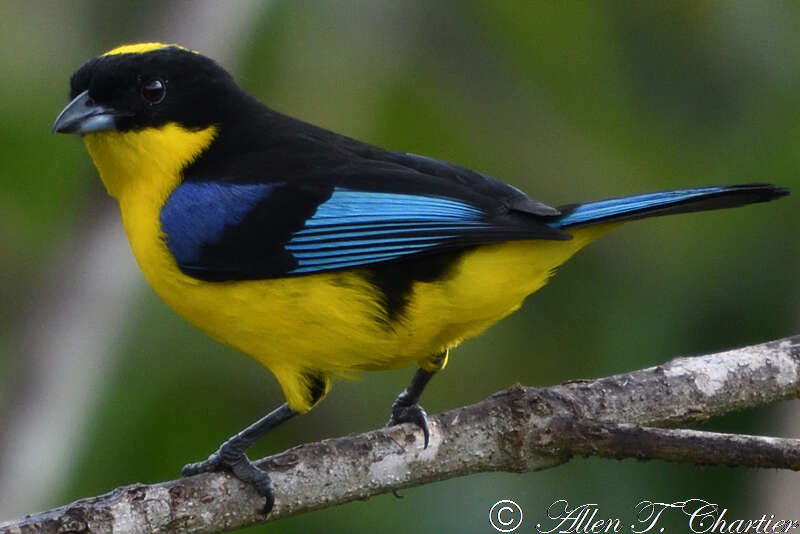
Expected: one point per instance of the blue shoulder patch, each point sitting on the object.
(197, 213)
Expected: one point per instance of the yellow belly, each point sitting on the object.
(327, 324)
(334, 323)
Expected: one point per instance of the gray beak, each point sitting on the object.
(83, 115)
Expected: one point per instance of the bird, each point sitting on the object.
(316, 254)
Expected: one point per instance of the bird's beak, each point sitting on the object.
(83, 115)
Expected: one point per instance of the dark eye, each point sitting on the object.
(154, 91)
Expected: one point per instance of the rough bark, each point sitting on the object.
(519, 429)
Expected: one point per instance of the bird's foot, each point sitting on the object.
(239, 465)
(403, 412)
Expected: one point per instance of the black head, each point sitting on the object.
(147, 85)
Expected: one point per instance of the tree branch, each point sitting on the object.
(519, 429)
(624, 440)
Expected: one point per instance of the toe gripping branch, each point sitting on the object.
(231, 455)
(406, 408)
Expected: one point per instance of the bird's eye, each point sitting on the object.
(154, 91)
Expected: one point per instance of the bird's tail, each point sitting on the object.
(664, 203)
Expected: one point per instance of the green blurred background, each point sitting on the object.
(102, 385)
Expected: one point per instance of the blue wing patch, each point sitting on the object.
(356, 228)
(208, 231)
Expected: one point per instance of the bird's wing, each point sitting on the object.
(358, 215)
(476, 182)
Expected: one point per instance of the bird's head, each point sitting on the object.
(146, 85)
(147, 106)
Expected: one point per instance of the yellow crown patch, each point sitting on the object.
(141, 48)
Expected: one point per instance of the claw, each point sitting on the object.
(239, 466)
(414, 414)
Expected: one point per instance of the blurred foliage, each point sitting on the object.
(568, 101)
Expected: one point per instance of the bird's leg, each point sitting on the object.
(406, 408)
(231, 455)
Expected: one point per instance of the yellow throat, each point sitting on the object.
(148, 161)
